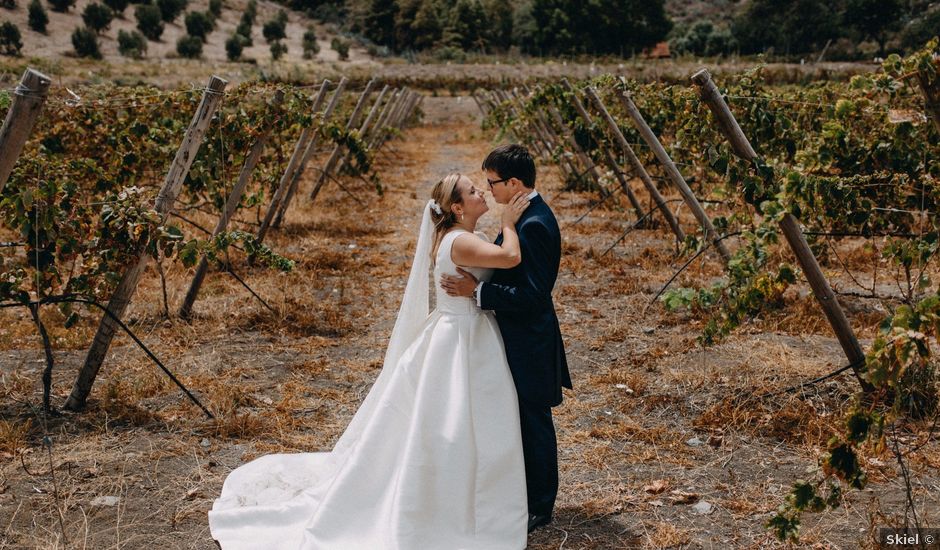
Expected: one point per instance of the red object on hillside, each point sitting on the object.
(659, 51)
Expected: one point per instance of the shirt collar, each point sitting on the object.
(532, 195)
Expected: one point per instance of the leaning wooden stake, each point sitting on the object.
(791, 230)
(670, 167)
(28, 99)
(364, 130)
(334, 155)
(608, 157)
(931, 99)
(294, 182)
(295, 164)
(637, 165)
(164, 206)
(234, 199)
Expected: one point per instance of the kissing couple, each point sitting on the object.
(454, 445)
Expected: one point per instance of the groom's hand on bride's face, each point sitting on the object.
(459, 286)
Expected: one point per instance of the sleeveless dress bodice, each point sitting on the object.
(444, 264)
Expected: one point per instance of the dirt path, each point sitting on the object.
(653, 452)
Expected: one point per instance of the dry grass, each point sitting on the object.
(649, 403)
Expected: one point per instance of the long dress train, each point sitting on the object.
(432, 460)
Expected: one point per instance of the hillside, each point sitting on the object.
(57, 42)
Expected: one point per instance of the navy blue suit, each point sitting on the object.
(522, 299)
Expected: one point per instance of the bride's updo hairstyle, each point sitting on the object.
(446, 194)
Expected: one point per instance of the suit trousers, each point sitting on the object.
(540, 450)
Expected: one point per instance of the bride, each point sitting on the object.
(432, 460)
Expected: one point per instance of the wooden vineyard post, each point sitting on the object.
(567, 135)
(791, 230)
(380, 128)
(295, 164)
(670, 167)
(608, 157)
(538, 139)
(164, 206)
(294, 182)
(931, 99)
(334, 155)
(555, 142)
(365, 128)
(231, 204)
(637, 165)
(28, 99)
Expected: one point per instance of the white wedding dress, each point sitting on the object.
(432, 460)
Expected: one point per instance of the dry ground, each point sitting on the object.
(653, 427)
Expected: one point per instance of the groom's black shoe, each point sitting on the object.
(536, 521)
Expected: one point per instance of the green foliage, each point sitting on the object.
(38, 18)
(11, 41)
(234, 46)
(61, 6)
(97, 17)
(704, 38)
(199, 24)
(341, 47)
(132, 44)
(275, 28)
(117, 6)
(171, 9)
(788, 27)
(85, 42)
(309, 43)
(215, 9)
(8, 4)
(149, 21)
(278, 49)
(189, 46)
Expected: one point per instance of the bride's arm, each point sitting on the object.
(471, 251)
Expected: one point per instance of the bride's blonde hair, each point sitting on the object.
(446, 194)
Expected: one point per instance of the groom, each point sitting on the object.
(522, 299)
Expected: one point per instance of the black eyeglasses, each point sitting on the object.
(492, 183)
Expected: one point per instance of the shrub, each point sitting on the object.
(234, 46)
(61, 6)
(8, 4)
(117, 6)
(149, 21)
(311, 48)
(198, 24)
(278, 49)
(38, 18)
(244, 29)
(11, 41)
(171, 9)
(97, 17)
(132, 44)
(251, 11)
(215, 9)
(85, 42)
(189, 46)
(341, 47)
(275, 29)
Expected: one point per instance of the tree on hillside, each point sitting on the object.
(97, 17)
(38, 18)
(874, 19)
(61, 6)
(603, 27)
(378, 25)
(426, 27)
(467, 26)
(789, 27)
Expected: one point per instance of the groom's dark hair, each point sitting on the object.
(512, 161)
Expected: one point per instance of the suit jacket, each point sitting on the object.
(522, 299)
